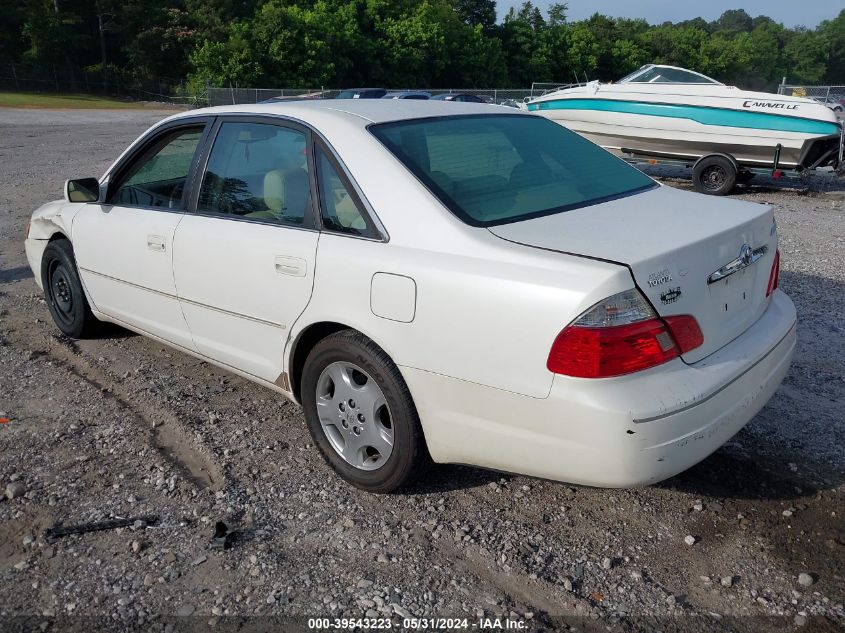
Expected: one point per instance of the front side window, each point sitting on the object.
(258, 171)
(157, 177)
(341, 210)
(495, 169)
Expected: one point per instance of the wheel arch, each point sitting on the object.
(302, 346)
(305, 341)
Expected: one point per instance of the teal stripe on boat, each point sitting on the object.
(705, 115)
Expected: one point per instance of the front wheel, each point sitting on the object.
(360, 413)
(63, 291)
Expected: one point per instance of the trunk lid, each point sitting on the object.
(672, 241)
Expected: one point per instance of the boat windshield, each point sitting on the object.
(666, 74)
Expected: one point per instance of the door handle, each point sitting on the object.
(156, 243)
(293, 266)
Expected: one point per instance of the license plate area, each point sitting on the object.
(733, 294)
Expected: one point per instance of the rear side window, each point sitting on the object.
(495, 169)
(341, 210)
(259, 172)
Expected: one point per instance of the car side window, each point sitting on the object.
(158, 176)
(258, 171)
(340, 209)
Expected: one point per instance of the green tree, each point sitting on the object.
(477, 13)
(834, 33)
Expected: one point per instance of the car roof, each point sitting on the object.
(362, 111)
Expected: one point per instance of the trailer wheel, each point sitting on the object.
(714, 175)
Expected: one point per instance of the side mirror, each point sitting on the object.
(82, 190)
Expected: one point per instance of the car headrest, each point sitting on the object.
(274, 191)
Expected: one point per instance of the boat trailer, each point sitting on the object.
(718, 173)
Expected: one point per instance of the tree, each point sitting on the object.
(834, 33)
(477, 13)
(733, 22)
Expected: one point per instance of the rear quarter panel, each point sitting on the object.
(487, 315)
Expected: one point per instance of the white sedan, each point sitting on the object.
(459, 282)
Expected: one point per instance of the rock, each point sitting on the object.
(136, 546)
(364, 583)
(567, 584)
(200, 560)
(125, 601)
(800, 620)
(698, 506)
(606, 563)
(805, 580)
(787, 513)
(401, 611)
(689, 539)
(727, 581)
(28, 539)
(382, 558)
(15, 489)
(186, 610)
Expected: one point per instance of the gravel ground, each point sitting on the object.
(750, 539)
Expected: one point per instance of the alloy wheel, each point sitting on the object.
(354, 415)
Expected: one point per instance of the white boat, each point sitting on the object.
(668, 112)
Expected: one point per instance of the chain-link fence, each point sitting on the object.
(68, 79)
(234, 96)
(831, 96)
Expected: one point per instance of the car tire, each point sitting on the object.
(714, 175)
(361, 414)
(63, 291)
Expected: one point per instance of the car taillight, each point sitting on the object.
(774, 276)
(621, 335)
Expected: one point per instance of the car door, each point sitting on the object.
(244, 255)
(123, 245)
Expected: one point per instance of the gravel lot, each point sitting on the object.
(750, 539)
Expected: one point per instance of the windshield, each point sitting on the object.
(496, 169)
(666, 74)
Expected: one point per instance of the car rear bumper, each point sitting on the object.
(618, 432)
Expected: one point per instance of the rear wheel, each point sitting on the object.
(63, 291)
(714, 175)
(360, 413)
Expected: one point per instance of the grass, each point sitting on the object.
(40, 100)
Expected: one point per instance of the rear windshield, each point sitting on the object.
(496, 169)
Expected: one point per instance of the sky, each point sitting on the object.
(811, 12)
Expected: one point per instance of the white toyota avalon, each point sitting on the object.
(460, 281)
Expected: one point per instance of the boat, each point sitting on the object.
(666, 112)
